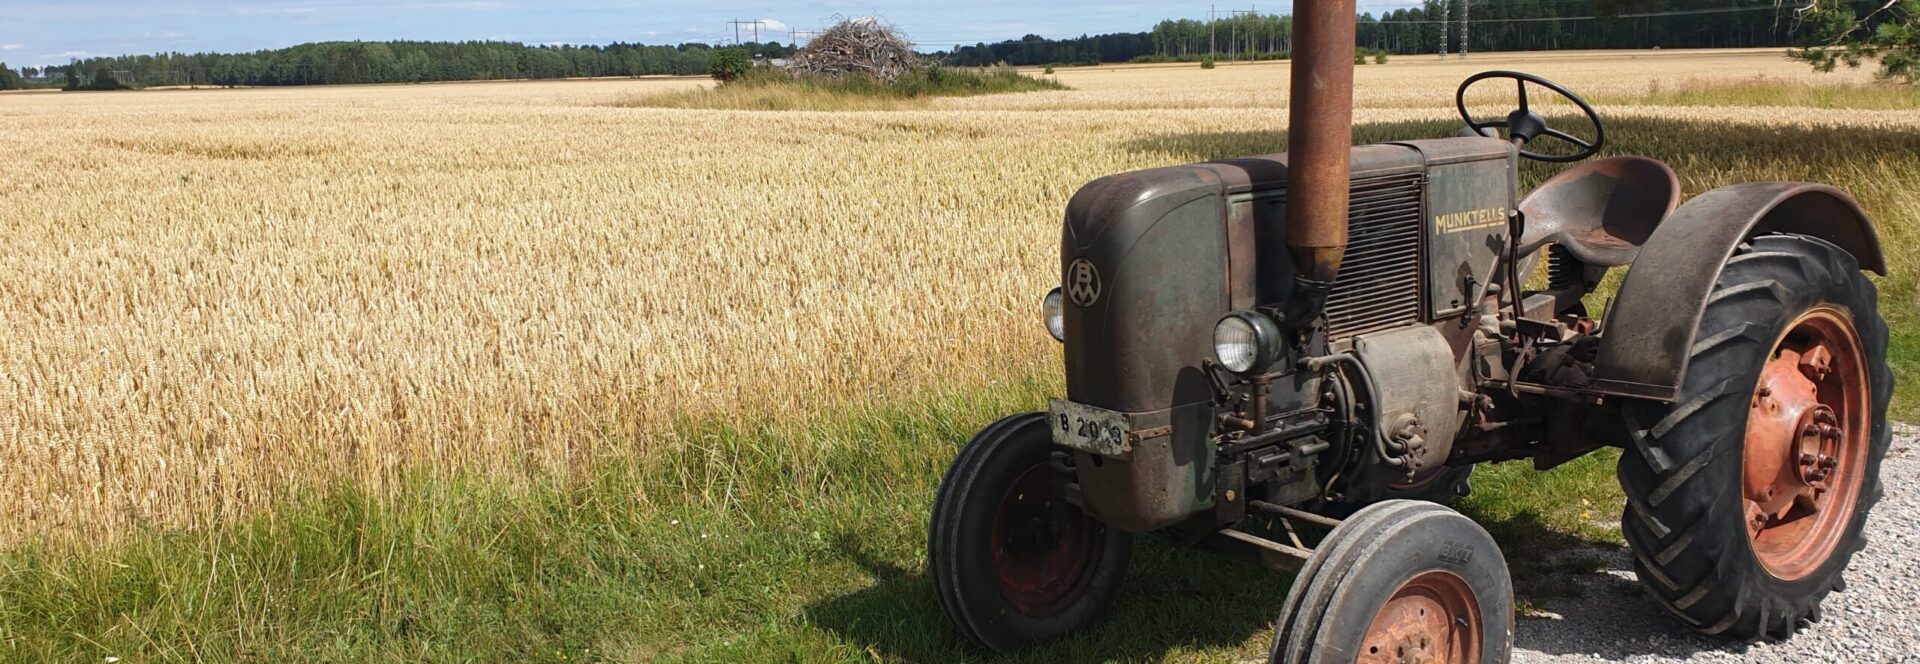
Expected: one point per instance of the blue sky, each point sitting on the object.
(43, 33)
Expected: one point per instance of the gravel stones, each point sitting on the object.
(1876, 619)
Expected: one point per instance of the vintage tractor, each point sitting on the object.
(1323, 335)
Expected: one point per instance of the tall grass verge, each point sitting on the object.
(751, 541)
(1771, 92)
(769, 89)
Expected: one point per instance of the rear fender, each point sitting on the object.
(1650, 328)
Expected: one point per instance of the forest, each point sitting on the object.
(1489, 25)
(381, 62)
(1494, 25)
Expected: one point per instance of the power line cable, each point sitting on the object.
(1543, 19)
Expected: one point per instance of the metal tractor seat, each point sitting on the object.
(1601, 211)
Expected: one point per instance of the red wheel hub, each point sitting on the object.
(1430, 619)
(1043, 548)
(1806, 440)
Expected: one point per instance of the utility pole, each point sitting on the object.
(1213, 31)
(736, 23)
(1466, 25)
(1446, 25)
(1233, 30)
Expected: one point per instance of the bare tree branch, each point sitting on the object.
(861, 46)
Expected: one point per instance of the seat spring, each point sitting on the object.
(1563, 270)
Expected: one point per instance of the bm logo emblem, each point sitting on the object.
(1083, 282)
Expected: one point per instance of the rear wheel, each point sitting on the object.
(1012, 563)
(1747, 495)
(1401, 581)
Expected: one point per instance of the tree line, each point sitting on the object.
(1497, 25)
(381, 62)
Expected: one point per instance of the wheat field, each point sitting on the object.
(213, 298)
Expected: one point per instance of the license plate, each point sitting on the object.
(1089, 429)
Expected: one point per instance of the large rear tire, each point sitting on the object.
(1401, 581)
(1012, 563)
(1747, 495)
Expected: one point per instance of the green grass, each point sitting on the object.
(1549, 523)
(766, 89)
(752, 543)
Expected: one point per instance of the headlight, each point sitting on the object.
(1055, 314)
(1245, 341)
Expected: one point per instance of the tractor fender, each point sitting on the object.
(1649, 332)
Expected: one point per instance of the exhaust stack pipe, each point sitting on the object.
(1320, 143)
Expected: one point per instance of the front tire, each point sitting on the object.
(1012, 563)
(1746, 496)
(1401, 581)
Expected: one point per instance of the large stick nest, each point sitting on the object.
(860, 46)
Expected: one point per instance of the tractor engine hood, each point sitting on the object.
(1152, 259)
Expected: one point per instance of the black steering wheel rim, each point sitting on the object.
(1587, 148)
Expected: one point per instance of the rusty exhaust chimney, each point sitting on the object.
(1319, 142)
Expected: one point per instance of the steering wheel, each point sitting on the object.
(1524, 125)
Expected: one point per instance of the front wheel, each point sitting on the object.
(1012, 563)
(1400, 581)
(1746, 495)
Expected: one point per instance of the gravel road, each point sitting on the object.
(1877, 619)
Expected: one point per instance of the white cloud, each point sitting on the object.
(12, 47)
(64, 55)
(767, 24)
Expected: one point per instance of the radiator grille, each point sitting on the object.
(1379, 282)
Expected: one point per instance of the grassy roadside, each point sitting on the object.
(1767, 92)
(770, 90)
(727, 551)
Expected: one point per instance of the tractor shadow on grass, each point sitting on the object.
(1172, 599)
(1179, 600)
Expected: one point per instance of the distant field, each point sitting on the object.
(509, 371)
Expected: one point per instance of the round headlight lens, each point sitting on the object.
(1056, 315)
(1244, 342)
